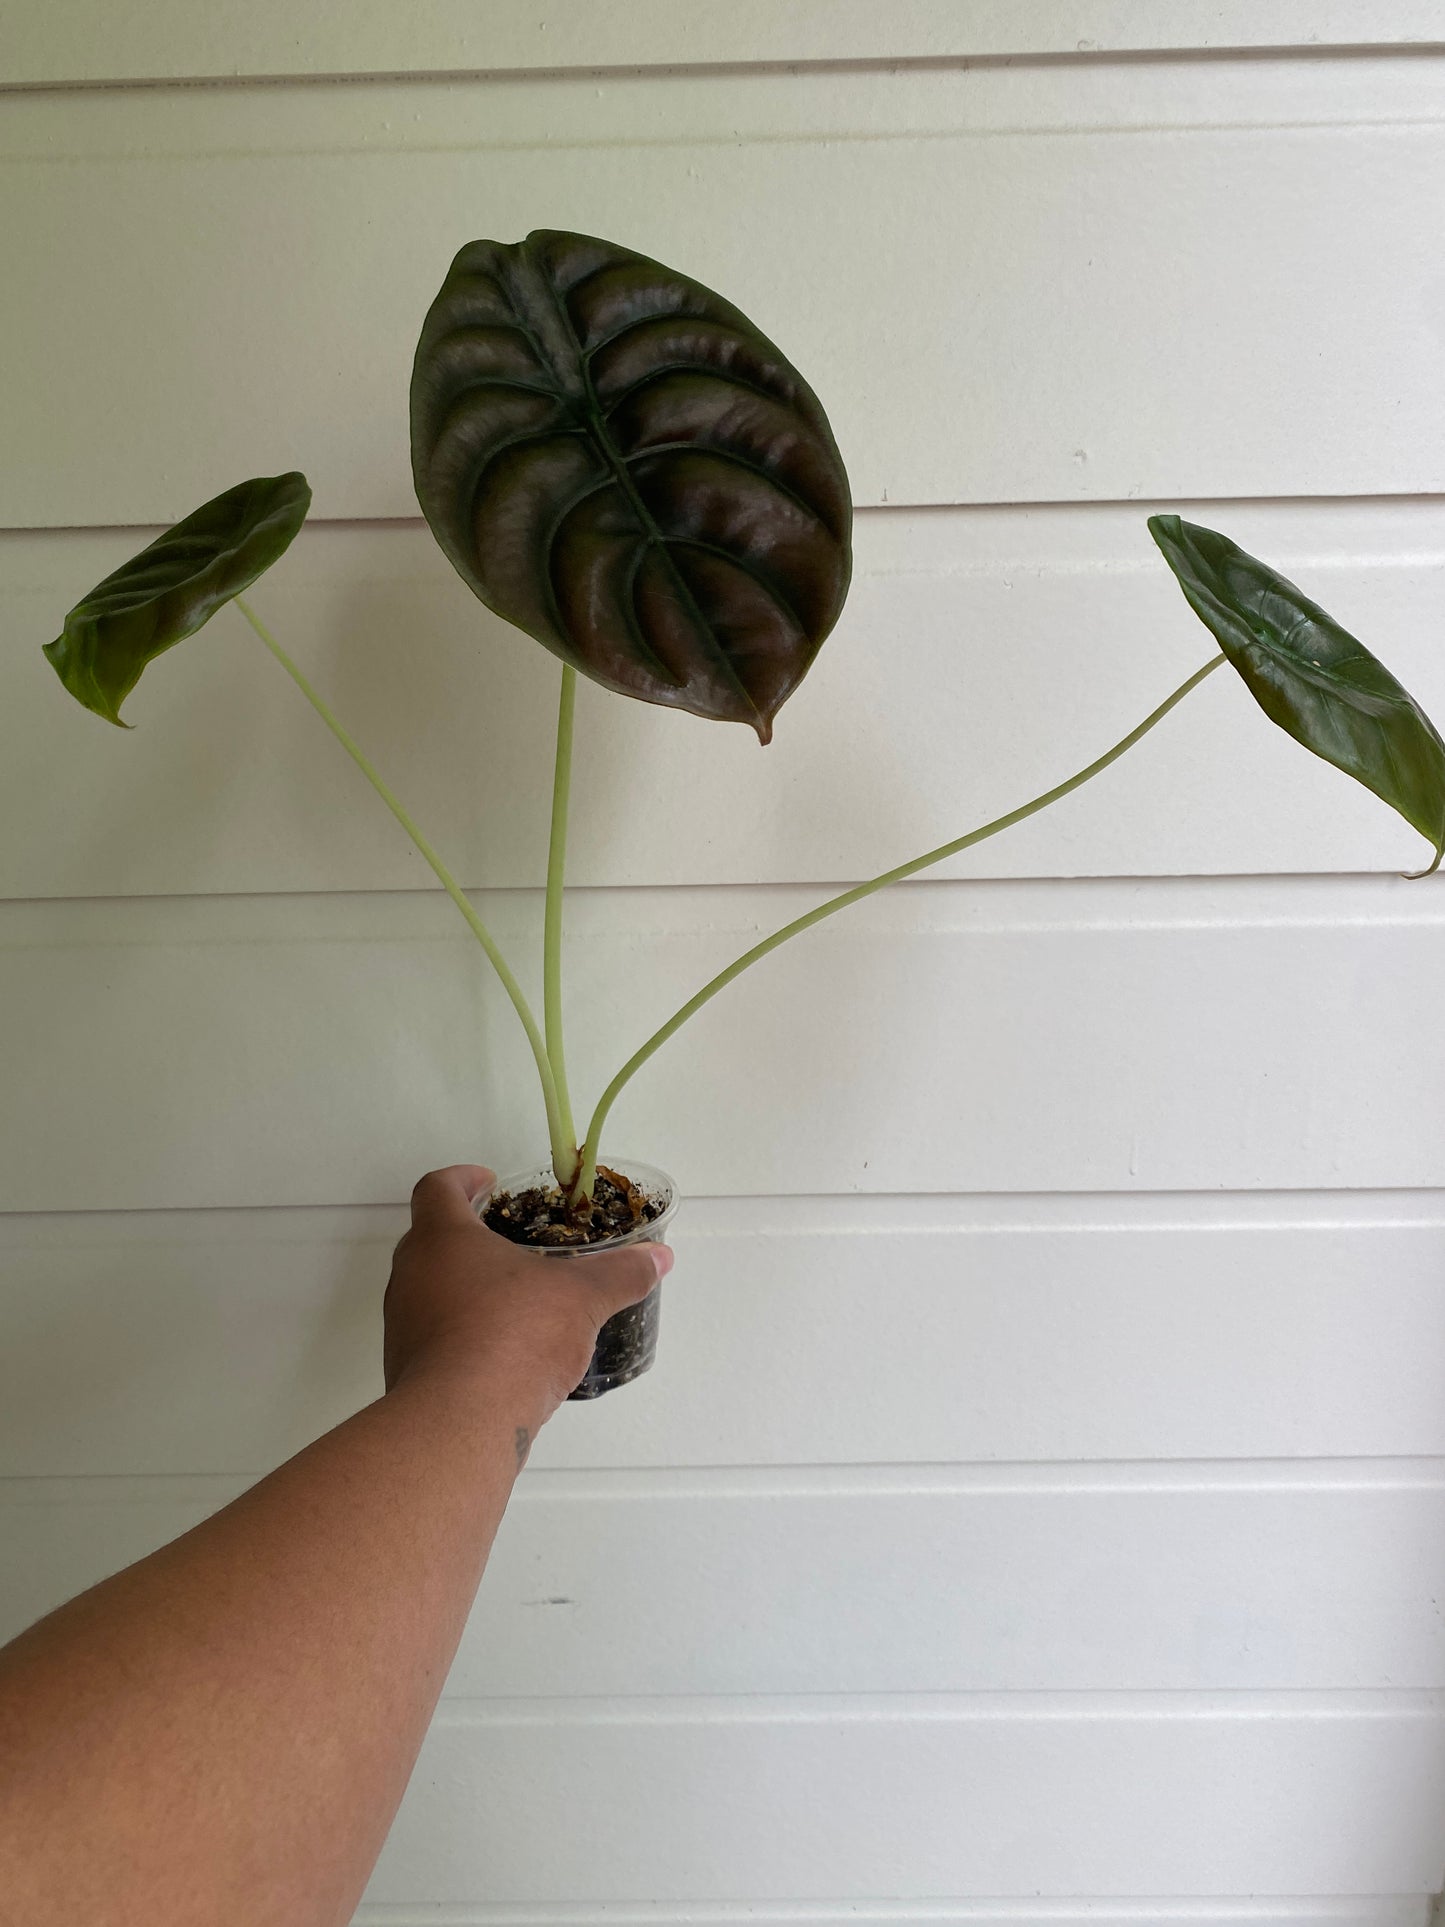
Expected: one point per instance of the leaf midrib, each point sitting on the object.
(652, 534)
(1327, 679)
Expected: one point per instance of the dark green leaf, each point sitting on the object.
(167, 591)
(1311, 676)
(617, 461)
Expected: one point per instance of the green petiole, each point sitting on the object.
(565, 1166)
(856, 895)
(560, 1138)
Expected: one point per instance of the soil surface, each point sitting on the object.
(539, 1215)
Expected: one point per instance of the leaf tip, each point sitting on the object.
(1414, 876)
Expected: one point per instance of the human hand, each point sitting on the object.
(464, 1300)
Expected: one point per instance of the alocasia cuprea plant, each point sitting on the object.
(619, 463)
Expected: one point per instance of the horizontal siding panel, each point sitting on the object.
(624, 107)
(1358, 1911)
(918, 1581)
(80, 40)
(948, 1037)
(1151, 379)
(984, 655)
(1009, 1795)
(822, 1332)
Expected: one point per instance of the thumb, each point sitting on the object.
(444, 1198)
(623, 1278)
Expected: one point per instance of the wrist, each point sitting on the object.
(478, 1395)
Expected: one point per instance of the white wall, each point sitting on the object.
(1038, 1511)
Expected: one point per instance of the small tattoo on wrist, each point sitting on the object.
(523, 1442)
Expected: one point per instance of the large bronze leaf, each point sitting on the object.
(617, 461)
(1311, 676)
(171, 588)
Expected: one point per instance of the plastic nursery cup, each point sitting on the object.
(627, 1343)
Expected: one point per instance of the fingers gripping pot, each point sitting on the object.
(526, 1206)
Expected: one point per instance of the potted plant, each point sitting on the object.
(618, 462)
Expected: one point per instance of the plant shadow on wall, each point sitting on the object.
(621, 465)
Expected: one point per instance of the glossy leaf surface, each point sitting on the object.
(170, 589)
(1311, 676)
(618, 462)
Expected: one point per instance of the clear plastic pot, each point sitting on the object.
(627, 1343)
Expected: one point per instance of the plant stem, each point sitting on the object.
(856, 895)
(566, 1169)
(443, 875)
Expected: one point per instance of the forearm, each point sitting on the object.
(223, 1731)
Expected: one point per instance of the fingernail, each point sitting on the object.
(662, 1259)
